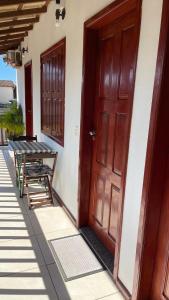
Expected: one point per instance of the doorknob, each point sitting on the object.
(92, 133)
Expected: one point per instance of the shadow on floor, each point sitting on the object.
(23, 270)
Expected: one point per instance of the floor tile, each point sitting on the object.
(91, 287)
(10, 204)
(51, 219)
(116, 296)
(19, 255)
(15, 227)
(34, 284)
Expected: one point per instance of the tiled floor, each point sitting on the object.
(27, 267)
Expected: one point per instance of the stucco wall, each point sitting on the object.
(6, 94)
(44, 35)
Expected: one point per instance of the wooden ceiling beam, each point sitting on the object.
(2, 46)
(19, 22)
(24, 12)
(12, 37)
(9, 43)
(17, 41)
(15, 2)
(13, 30)
(5, 49)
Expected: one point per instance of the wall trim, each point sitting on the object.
(109, 14)
(151, 195)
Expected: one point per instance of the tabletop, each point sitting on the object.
(20, 147)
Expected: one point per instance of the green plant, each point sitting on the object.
(12, 120)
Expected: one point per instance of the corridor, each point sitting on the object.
(27, 267)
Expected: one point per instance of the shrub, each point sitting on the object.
(12, 120)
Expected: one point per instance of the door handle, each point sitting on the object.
(92, 133)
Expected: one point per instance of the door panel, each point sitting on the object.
(102, 144)
(114, 212)
(117, 48)
(126, 64)
(100, 192)
(119, 143)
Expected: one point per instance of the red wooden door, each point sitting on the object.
(117, 52)
(160, 283)
(28, 99)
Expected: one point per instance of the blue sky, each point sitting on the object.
(6, 72)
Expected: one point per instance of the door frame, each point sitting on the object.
(28, 65)
(151, 202)
(106, 16)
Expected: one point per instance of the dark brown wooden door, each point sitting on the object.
(117, 51)
(160, 278)
(160, 284)
(28, 99)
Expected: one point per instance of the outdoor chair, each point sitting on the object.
(42, 174)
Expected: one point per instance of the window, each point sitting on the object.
(53, 91)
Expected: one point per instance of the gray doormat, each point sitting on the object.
(74, 258)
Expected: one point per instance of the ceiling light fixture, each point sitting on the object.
(60, 12)
(24, 50)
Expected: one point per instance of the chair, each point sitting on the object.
(41, 174)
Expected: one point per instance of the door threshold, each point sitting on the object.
(101, 252)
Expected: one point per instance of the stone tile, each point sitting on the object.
(8, 216)
(91, 287)
(51, 219)
(15, 227)
(19, 255)
(116, 296)
(12, 204)
(34, 284)
(60, 233)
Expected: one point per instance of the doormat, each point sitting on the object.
(74, 258)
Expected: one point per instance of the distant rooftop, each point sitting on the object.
(7, 83)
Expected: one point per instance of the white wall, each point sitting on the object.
(6, 94)
(44, 35)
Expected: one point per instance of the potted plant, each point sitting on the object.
(12, 120)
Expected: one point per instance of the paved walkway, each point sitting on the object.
(27, 267)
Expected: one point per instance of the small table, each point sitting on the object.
(21, 148)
